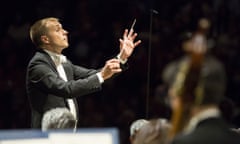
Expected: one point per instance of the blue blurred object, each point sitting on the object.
(27, 134)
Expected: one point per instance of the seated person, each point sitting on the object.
(152, 131)
(58, 118)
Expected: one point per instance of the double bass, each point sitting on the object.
(187, 85)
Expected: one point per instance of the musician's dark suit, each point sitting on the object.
(46, 89)
(209, 131)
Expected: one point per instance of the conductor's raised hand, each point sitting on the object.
(127, 44)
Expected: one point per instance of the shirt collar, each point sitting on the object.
(205, 114)
(57, 58)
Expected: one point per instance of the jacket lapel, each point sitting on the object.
(49, 60)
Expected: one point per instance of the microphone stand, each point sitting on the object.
(152, 11)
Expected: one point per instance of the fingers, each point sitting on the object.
(113, 61)
(111, 67)
(114, 65)
(127, 43)
(121, 43)
(129, 34)
(137, 43)
(127, 38)
(132, 37)
(125, 34)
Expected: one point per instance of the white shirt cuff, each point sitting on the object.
(121, 61)
(100, 78)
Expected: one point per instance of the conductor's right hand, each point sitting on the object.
(111, 67)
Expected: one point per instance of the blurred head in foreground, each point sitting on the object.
(152, 131)
(58, 118)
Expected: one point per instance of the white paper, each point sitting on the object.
(78, 138)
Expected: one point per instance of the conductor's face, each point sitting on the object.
(56, 37)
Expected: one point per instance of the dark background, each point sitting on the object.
(94, 29)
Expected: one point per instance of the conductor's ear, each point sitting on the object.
(45, 39)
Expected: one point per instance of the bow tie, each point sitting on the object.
(59, 59)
